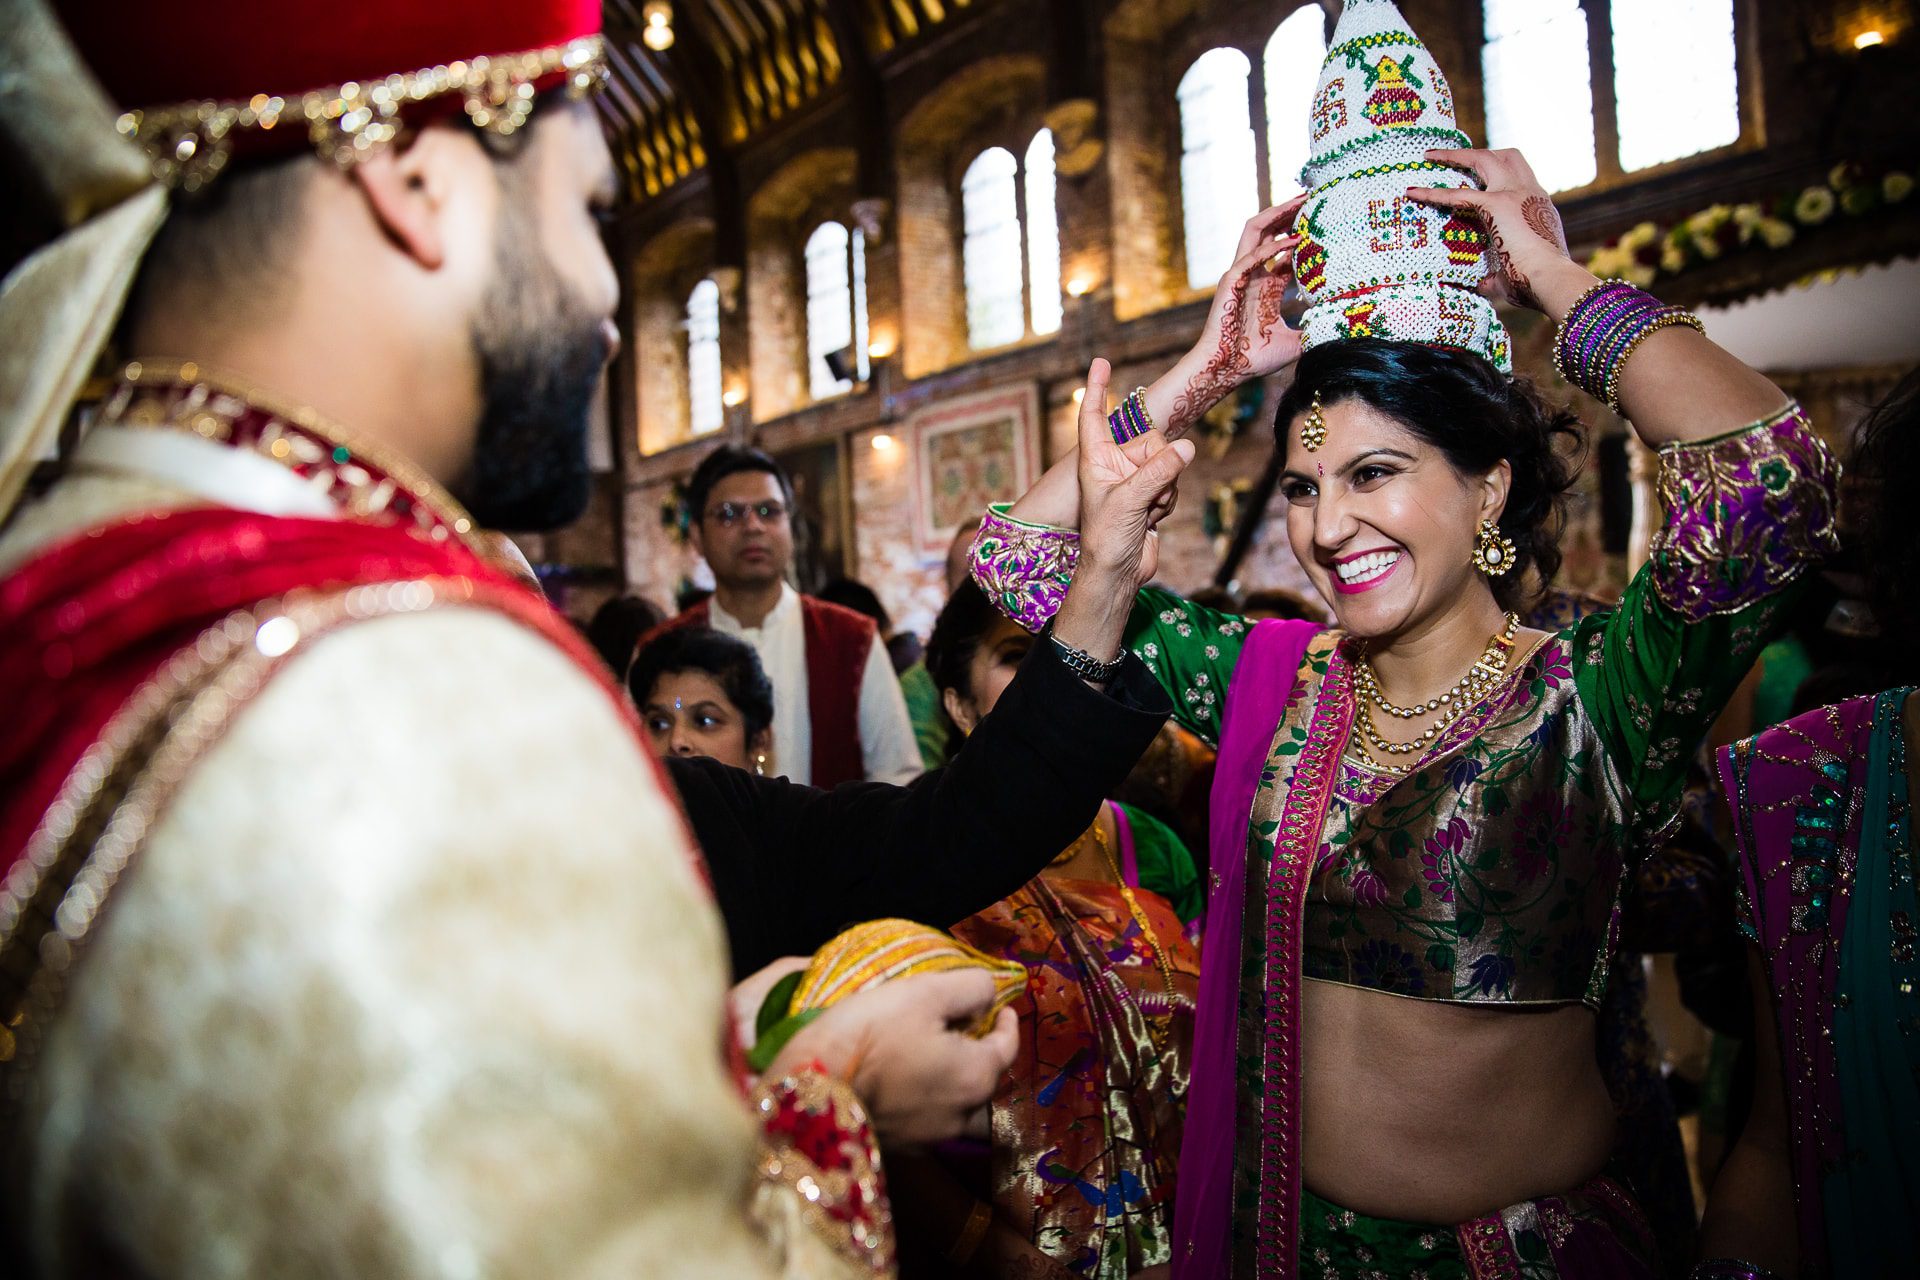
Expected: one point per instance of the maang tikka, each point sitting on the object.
(1313, 432)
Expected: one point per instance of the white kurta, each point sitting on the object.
(887, 748)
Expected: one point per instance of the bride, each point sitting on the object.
(1424, 814)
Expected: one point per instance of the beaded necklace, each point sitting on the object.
(1485, 672)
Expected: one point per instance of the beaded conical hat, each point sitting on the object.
(1373, 262)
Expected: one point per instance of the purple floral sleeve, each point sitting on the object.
(1023, 568)
(1747, 513)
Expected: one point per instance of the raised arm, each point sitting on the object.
(1244, 338)
(1029, 779)
(1679, 386)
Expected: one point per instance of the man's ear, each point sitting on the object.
(958, 710)
(407, 189)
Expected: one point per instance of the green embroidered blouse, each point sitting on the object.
(1492, 870)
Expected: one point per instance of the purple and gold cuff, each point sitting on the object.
(1747, 513)
(1023, 568)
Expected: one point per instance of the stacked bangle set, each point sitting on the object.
(1603, 328)
(1130, 419)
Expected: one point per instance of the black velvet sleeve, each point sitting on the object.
(793, 865)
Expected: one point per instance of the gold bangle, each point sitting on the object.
(1139, 398)
(967, 1243)
(1667, 321)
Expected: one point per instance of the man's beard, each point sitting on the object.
(541, 356)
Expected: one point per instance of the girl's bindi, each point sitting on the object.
(1321, 467)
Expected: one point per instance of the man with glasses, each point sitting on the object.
(838, 715)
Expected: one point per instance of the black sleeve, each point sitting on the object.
(794, 865)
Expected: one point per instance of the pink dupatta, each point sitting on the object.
(1257, 695)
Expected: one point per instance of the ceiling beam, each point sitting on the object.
(867, 101)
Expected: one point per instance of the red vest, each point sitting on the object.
(838, 641)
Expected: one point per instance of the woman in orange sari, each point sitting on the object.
(1077, 1179)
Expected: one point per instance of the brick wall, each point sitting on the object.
(985, 78)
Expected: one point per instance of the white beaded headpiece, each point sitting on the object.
(1373, 262)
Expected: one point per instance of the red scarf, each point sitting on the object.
(88, 622)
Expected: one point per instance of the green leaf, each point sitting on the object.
(1468, 924)
(1412, 896)
(1494, 801)
(1288, 749)
(1400, 843)
(1440, 956)
(778, 1003)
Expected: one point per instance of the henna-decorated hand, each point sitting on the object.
(1245, 336)
(1526, 241)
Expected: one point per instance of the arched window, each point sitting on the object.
(836, 306)
(1291, 66)
(990, 216)
(1043, 237)
(1674, 79)
(1010, 254)
(1539, 87)
(704, 410)
(1217, 180)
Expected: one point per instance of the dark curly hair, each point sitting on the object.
(1474, 414)
(732, 663)
(1886, 457)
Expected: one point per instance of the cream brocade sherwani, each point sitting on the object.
(415, 976)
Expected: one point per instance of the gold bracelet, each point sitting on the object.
(967, 1243)
(1139, 398)
(1667, 321)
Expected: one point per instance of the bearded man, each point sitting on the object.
(346, 925)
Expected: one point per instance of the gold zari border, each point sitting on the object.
(188, 144)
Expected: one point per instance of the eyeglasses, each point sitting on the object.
(730, 514)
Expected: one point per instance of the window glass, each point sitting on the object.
(704, 410)
(1292, 69)
(990, 220)
(1539, 87)
(1674, 82)
(1043, 236)
(829, 307)
(1217, 176)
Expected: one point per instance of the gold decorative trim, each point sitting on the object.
(188, 397)
(188, 144)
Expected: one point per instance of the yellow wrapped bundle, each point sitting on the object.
(864, 956)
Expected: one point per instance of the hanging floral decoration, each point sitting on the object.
(1651, 250)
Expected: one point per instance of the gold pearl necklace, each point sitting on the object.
(1485, 672)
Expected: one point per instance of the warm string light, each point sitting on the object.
(658, 33)
(1868, 39)
(882, 442)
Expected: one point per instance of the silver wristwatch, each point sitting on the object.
(1084, 664)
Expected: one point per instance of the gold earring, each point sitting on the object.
(760, 765)
(1493, 551)
(1313, 432)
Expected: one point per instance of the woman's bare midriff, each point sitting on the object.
(1429, 1111)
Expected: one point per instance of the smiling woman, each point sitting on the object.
(1462, 444)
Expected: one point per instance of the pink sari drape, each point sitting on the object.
(1257, 694)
